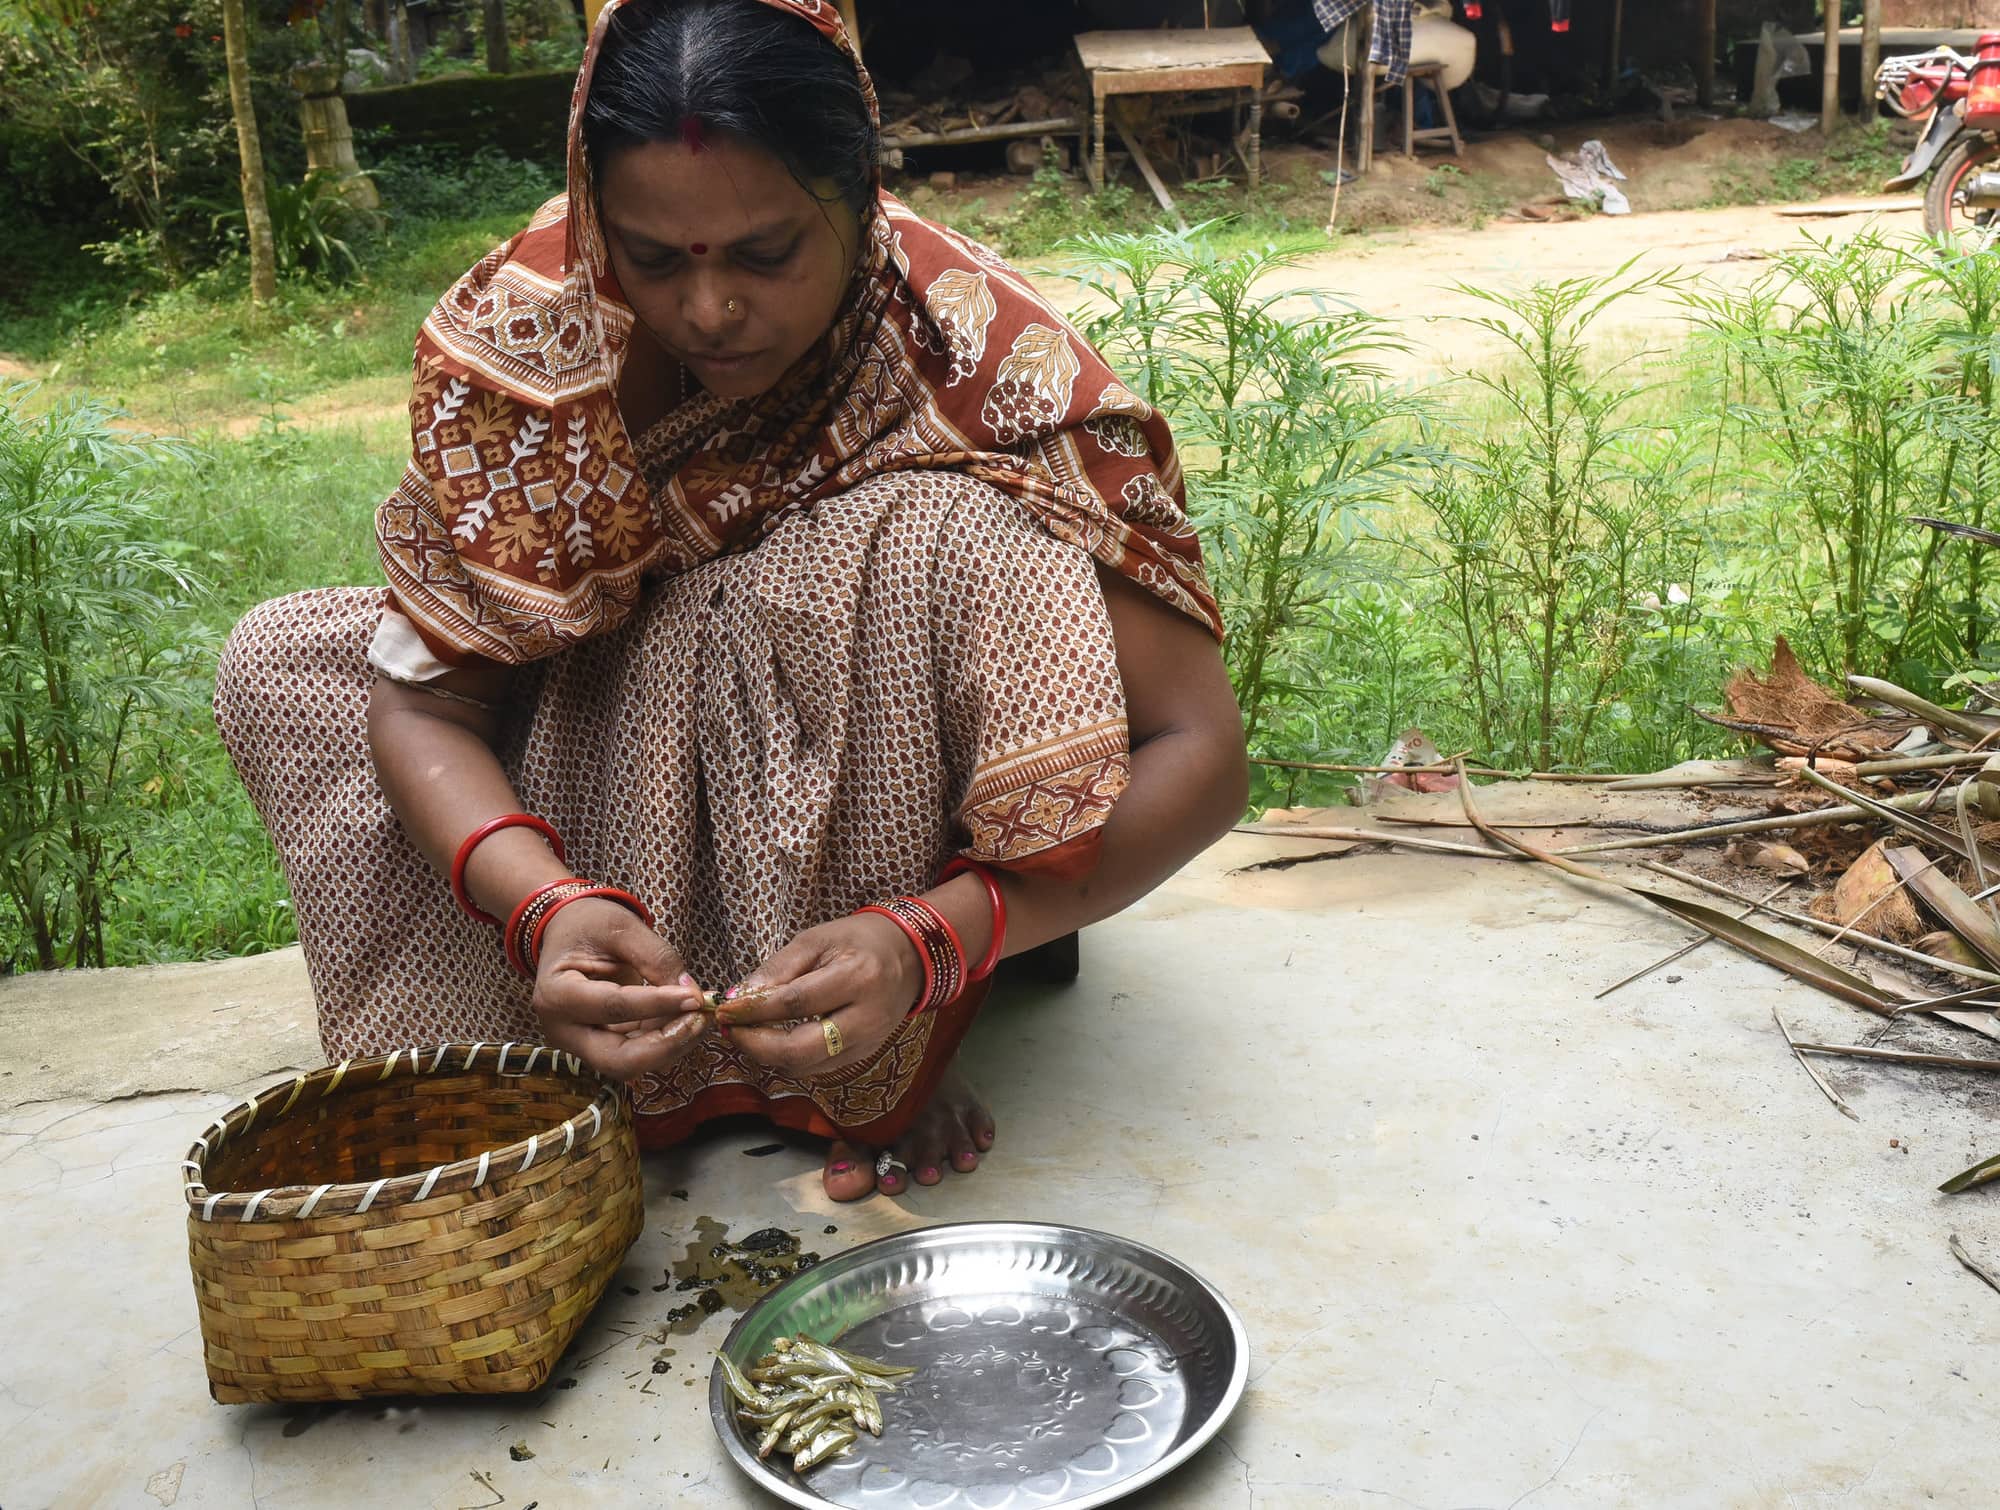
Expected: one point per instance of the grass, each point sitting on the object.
(200, 355)
(1856, 162)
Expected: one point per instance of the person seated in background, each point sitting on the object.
(1310, 34)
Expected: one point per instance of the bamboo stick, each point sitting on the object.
(1829, 91)
(1663, 781)
(1375, 836)
(1443, 765)
(1898, 1056)
(1817, 818)
(1908, 763)
(1685, 949)
(1817, 1079)
(1892, 812)
(1929, 712)
(1819, 925)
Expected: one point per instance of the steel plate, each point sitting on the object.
(1060, 1368)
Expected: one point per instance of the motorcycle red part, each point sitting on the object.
(1945, 212)
(1982, 100)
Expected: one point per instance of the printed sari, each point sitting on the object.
(777, 657)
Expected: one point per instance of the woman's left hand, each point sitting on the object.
(859, 974)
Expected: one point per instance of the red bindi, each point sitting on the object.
(700, 249)
(691, 133)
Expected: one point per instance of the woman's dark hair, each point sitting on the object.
(742, 68)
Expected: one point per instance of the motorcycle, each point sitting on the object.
(1962, 199)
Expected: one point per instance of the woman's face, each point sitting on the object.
(734, 268)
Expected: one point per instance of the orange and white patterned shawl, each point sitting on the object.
(523, 523)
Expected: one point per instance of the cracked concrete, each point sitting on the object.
(1495, 1244)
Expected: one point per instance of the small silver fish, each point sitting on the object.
(825, 1445)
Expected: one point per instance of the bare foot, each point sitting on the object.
(952, 1132)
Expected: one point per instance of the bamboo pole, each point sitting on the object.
(1704, 57)
(1829, 89)
(1871, 55)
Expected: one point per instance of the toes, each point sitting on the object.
(979, 1122)
(849, 1173)
(924, 1152)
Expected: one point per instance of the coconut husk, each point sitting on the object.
(1947, 945)
(1795, 715)
(1870, 892)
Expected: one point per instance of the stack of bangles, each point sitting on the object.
(521, 934)
(946, 973)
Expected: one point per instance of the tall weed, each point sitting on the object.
(1847, 425)
(96, 638)
(1557, 526)
(1291, 435)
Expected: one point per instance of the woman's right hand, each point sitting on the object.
(614, 993)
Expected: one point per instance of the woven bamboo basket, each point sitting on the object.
(433, 1222)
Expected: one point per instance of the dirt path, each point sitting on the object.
(1409, 276)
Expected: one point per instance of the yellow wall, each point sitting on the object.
(590, 11)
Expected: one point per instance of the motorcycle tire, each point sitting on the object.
(1943, 215)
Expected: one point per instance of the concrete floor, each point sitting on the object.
(1495, 1243)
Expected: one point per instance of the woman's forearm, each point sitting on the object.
(437, 767)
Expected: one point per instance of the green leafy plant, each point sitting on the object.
(1288, 426)
(1553, 525)
(304, 219)
(1850, 430)
(95, 646)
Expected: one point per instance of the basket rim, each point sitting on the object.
(299, 1202)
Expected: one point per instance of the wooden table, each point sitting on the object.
(1172, 62)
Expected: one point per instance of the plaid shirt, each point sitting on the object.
(1390, 49)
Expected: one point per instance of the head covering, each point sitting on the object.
(523, 522)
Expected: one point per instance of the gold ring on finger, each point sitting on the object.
(831, 1030)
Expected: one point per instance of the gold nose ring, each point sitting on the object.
(730, 306)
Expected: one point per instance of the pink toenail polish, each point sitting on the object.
(927, 1173)
(842, 1167)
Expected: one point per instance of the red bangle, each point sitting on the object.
(991, 958)
(525, 918)
(625, 899)
(937, 946)
(472, 841)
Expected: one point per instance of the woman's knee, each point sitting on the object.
(284, 646)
